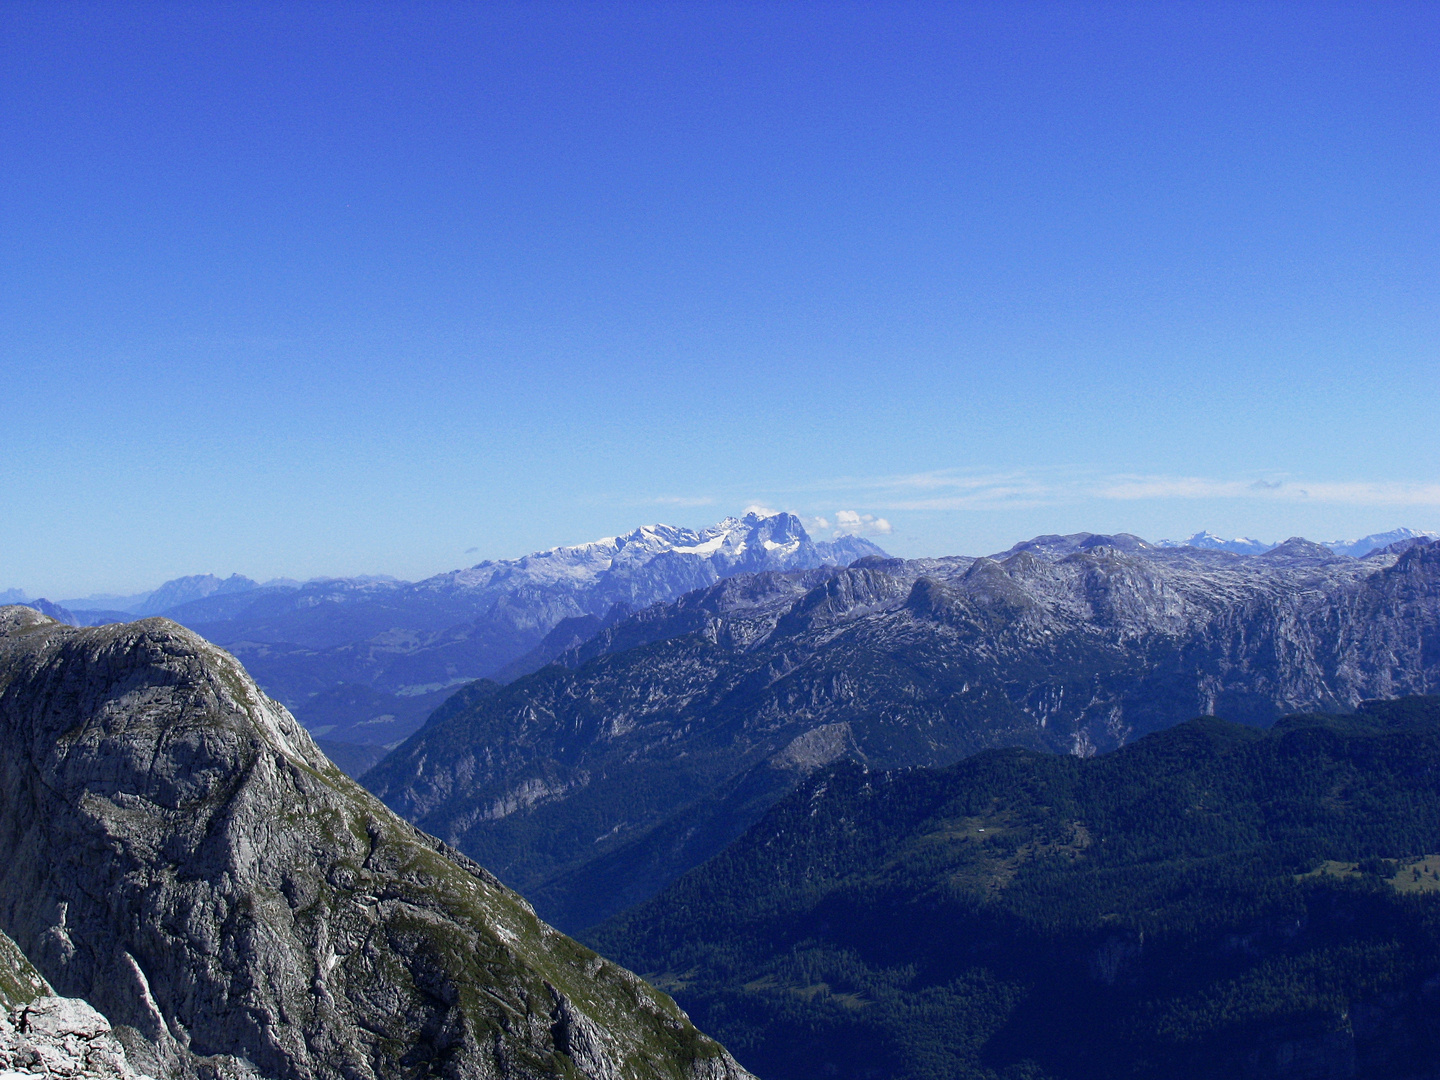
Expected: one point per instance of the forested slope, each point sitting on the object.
(1211, 901)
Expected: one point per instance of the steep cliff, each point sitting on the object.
(176, 851)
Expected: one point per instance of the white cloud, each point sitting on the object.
(762, 511)
(815, 524)
(856, 524)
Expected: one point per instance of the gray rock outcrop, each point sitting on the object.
(55, 1037)
(175, 850)
(42, 1035)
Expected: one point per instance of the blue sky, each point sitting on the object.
(323, 289)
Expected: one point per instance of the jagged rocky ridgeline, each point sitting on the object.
(592, 783)
(175, 851)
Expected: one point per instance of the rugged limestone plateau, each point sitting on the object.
(592, 783)
(175, 851)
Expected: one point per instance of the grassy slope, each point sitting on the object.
(20, 983)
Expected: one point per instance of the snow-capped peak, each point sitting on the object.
(1240, 545)
(1358, 549)
(613, 563)
(1355, 549)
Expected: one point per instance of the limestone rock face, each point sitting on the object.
(175, 850)
(61, 1037)
(42, 1035)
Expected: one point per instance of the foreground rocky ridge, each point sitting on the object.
(176, 851)
(53, 1037)
(44, 1035)
(592, 783)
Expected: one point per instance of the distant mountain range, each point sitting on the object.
(840, 551)
(363, 661)
(1241, 545)
(173, 593)
(1355, 549)
(646, 748)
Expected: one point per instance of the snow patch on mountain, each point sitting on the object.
(1240, 545)
(754, 542)
(1358, 549)
(1355, 549)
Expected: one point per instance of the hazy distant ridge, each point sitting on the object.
(1355, 549)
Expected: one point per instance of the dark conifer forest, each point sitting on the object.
(1213, 900)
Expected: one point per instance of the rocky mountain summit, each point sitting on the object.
(1239, 545)
(176, 851)
(659, 562)
(644, 750)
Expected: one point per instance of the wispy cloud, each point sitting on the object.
(942, 490)
(681, 500)
(1383, 493)
(849, 523)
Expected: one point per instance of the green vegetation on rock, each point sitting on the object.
(20, 983)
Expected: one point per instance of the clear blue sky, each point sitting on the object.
(339, 288)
